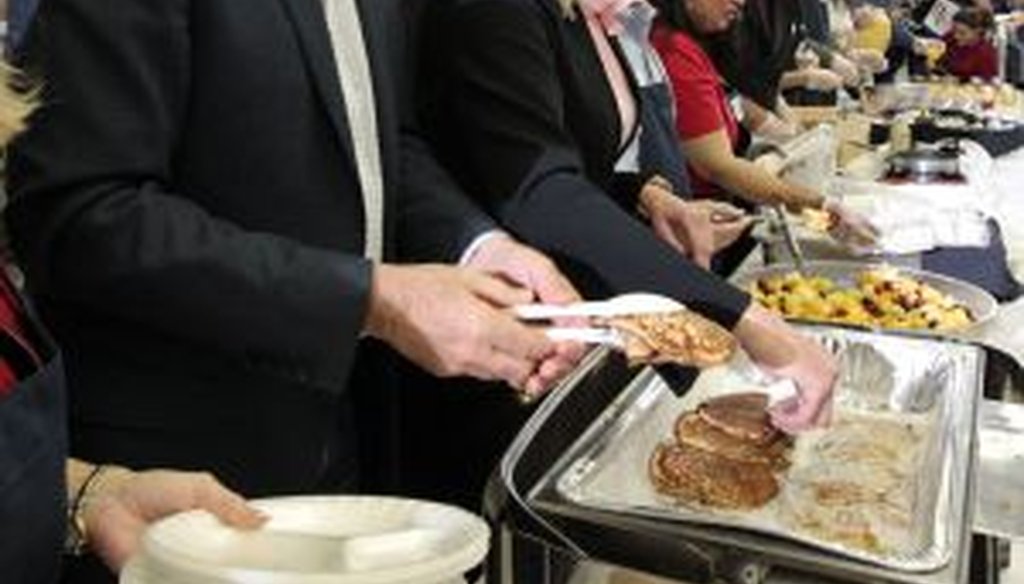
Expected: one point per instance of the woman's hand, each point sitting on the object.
(850, 227)
(696, 229)
(683, 225)
(782, 351)
(728, 223)
(120, 504)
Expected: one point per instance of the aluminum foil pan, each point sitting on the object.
(917, 381)
(981, 304)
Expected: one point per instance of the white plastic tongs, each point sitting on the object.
(623, 305)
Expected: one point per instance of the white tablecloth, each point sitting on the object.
(1008, 205)
(1006, 199)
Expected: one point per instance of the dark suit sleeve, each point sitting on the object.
(97, 223)
(506, 106)
(436, 219)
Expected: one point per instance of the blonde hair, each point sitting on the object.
(15, 105)
(567, 7)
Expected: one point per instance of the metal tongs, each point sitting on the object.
(792, 245)
(776, 217)
(622, 305)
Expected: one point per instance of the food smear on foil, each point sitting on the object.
(855, 483)
(882, 298)
(683, 337)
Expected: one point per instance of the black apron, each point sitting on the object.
(660, 150)
(33, 447)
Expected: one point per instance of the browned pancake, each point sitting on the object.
(692, 430)
(683, 337)
(696, 476)
(742, 415)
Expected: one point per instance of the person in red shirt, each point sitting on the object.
(708, 129)
(969, 52)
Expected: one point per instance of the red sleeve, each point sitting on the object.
(694, 82)
(979, 60)
(987, 61)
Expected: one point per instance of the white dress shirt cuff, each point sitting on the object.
(478, 241)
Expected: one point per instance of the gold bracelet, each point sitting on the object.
(77, 537)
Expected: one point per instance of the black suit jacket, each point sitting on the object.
(517, 100)
(187, 208)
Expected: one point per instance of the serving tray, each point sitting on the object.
(920, 381)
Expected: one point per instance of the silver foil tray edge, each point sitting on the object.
(618, 444)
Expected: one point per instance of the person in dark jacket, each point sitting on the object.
(224, 213)
(528, 114)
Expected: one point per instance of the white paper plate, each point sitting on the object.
(314, 540)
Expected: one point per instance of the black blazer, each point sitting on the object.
(33, 452)
(520, 109)
(187, 209)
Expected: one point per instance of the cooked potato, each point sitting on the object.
(882, 298)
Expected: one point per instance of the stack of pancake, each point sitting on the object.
(726, 455)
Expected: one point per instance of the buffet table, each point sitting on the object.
(999, 501)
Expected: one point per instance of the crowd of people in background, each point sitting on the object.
(874, 40)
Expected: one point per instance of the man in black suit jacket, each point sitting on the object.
(188, 208)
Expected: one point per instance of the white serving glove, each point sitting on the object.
(850, 227)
